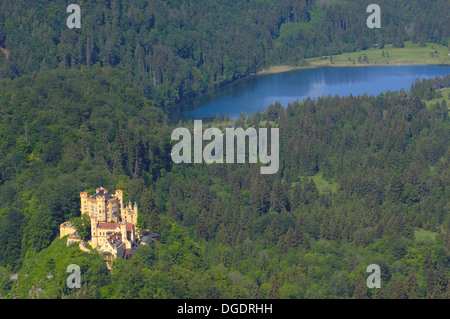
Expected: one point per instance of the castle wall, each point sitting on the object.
(65, 229)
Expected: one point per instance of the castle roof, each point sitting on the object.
(112, 226)
(150, 237)
(115, 240)
(101, 192)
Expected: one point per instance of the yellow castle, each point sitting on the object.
(113, 225)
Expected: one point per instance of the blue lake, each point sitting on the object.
(258, 92)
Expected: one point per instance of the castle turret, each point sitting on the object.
(101, 209)
(123, 232)
(119, 194)
(83, 199)
(94, 233)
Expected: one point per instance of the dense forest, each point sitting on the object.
(227, 231)
(362, 179)
(175, 49)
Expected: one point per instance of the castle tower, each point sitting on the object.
(123, 231)
(135, 213)
(119, 194)
(101, 207)
(94, 233)
(84, 205)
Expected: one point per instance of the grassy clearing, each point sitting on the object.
(411, 54)
(423, 235)
(445, 96)
(322, 184)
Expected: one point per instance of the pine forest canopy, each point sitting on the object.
(362, 179)
(227, 228)
(176, 49)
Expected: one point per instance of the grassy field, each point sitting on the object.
(322, 184)
(411, 54)
(445, 95)
(424, 236)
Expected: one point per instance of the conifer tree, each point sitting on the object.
(278, 197)
(360, 288)
(447, 239)
(411, 285)
(310, 190)
(396, 190)
(297, 196)
(440, 282)
(397, 289)
(427, 262)
(257, 292)
(274, 289)
(378, 294)
(148, 210)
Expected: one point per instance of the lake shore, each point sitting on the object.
(411, 54)
(286, 68)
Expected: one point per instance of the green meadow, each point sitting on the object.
(445, 96)
(322, 184)
(410, 54)
(424, 236)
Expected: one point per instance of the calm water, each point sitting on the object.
(257, 93)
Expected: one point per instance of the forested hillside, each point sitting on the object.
(63, 128)
(362, 180)
(175, 49)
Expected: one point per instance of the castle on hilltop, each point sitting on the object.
(113, 225)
